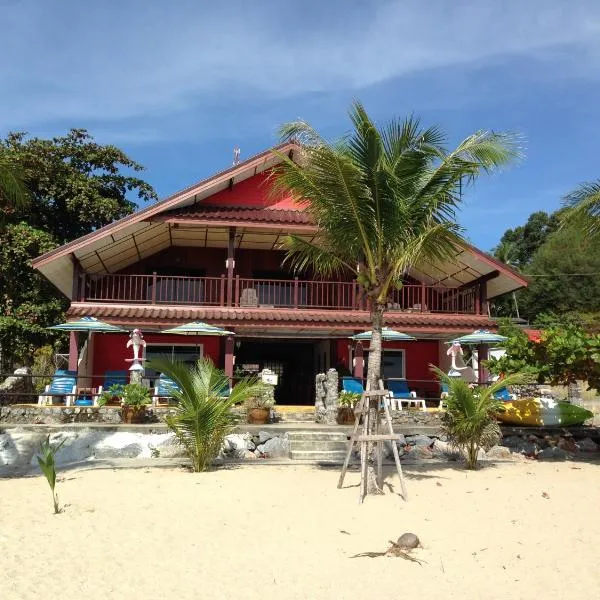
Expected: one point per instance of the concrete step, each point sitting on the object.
(321, 445)
(318, 436)
(333, 456)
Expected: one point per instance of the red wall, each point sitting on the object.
(419, 355)
(110, 350)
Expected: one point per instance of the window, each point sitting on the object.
(393, 364)
(186, 353)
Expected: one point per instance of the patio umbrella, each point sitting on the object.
(88, 324)
(481, 336)
(198, 328)
(387, 335)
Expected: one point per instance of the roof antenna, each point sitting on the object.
(236, 156)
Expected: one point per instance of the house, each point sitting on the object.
(211, 252)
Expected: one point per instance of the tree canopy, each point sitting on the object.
(74, 185)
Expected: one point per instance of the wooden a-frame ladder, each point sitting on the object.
(372, 399)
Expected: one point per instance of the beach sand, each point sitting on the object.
(517, 530)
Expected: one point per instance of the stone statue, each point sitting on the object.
(326, 397)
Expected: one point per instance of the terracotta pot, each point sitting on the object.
(133, 414)
(259, 416)
(345, 415)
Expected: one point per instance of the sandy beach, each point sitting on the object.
(513, 531)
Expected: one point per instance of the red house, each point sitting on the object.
(211, 253)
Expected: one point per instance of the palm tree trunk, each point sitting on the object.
(373, 377)
(516, 304)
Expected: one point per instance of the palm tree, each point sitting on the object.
(13, 193)
(203, 415)
(583, 207)
(469, 420)
(384, 200)
(506, 252)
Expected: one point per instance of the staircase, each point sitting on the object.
(318, 446)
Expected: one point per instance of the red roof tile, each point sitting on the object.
(204, 212)
(276, 318)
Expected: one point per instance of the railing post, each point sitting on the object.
(477, 301)
(296, 291)
(154, 287)
(82, 290)
(353, 300)
(222, 291)
(236, 299)
(423, 297)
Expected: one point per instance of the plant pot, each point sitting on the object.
(345, 415)
(133, 414)
(259, 416)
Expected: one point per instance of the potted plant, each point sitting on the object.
(346, 403)
(134, 399)
(112, 396)
(258, 407)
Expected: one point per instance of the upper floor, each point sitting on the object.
(218, 243)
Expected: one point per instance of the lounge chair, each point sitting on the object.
(64, 386)
(163, 390)
(400, 392)
(352, 384)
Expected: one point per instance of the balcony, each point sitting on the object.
(243, 292)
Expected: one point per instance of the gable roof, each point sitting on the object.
(233, 196)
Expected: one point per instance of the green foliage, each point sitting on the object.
(132, 394)
(469, 420)
(13, 193)
(47, 465)
(564, 355)
(75, 184)
(583, 208)
(385, 200)
(74, 187)
(203, 416)
(520, 353)
(43, 367)
(517, 246)
(565, 275)
(264, 398)
(348, 399)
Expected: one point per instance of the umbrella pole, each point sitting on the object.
(73, 351)
(482, 354)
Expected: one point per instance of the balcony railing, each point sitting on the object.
(246, 292)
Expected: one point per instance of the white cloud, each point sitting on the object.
(107, 61)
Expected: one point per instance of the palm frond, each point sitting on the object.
(203, 414)
(13, 191)
(583, 208)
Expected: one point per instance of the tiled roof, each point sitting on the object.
(204, 212)
(276, 317)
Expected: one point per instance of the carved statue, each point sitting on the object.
(136, 339)
(454, 352)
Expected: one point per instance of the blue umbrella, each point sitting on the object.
(387, 335)
(88, 324)
(198, 328)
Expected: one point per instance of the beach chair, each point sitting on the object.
(63, 386)
(352, 384)
(400, 392)
(163, 390)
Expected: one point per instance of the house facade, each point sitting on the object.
(212, 252)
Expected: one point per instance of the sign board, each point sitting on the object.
(267, 376)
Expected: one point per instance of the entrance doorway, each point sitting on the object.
(292, 360)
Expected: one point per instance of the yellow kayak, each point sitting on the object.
(543, 412)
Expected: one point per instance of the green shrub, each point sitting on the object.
(348, 399)
(203, 416)
(43, 364)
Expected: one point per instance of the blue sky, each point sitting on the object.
(178, 84)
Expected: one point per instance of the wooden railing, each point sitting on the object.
(247, 292)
